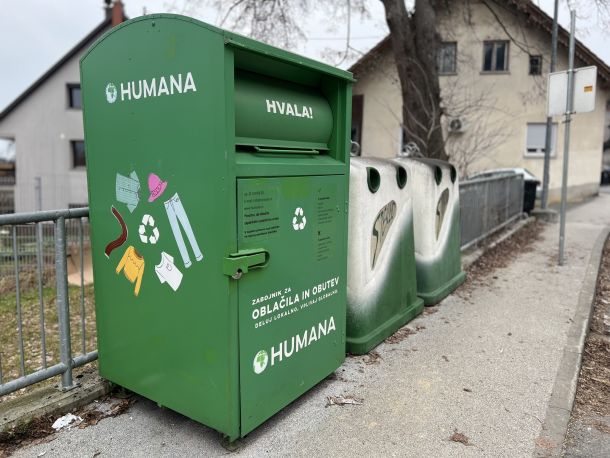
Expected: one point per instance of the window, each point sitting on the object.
(447, 54)
(535, 65)
(536, 136)
(74, 99)
(495, 56)
(357, 107)
(407, 145)
(78, 153)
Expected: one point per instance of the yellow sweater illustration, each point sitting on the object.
(132, 264)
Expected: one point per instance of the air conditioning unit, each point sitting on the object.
(456, 125)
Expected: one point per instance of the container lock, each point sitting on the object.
(237, 264)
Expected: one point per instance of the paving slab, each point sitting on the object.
(483, 365)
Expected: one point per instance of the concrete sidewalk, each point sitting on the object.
(483, 366)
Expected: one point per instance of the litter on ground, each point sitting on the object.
(67, 420)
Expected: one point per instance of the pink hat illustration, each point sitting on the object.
(155, 186)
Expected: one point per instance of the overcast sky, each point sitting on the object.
(34, 34)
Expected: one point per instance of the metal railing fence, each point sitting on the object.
(489, 204)
(39, 242)
(32, 236)
(28, 236)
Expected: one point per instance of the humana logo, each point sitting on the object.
(155, 87)
(296, 343)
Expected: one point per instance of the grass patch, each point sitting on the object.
(31, 326)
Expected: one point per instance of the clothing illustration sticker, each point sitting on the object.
(156, 186)
(168, 272)
(132, 265)
(148, 221)
(299, 220)
(259, 211)
(177, 217)
(128, 190)
(120, 240)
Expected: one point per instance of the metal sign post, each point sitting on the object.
(570, 92)
(566, 141)
(549, 119)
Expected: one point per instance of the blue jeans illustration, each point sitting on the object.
(177, 215)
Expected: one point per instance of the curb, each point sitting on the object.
(550, 441)
(50, 400)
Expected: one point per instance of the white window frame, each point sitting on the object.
(540, 152)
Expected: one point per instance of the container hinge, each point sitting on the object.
(237, 264)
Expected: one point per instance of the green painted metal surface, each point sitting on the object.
(394, 304)
(291, 112)
(292, 312)
(382, 284)
(174, 321)
(436, 214)
(436, 279)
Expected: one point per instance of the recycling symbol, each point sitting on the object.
(148, 221)
(299, 220)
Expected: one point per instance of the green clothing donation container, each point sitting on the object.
(436, 216)
(382, 286)
(218, 174)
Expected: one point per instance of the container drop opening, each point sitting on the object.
(373, 179)
(272, 151)
(438, 174)
(401, 177)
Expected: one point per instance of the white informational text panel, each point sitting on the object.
(585, 82)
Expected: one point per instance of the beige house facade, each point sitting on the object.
(493, 63)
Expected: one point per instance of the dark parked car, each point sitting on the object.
(531, 184)
(605, 174)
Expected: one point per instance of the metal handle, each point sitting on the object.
(286, 151)
(237, 264)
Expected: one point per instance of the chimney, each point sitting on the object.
(117, 13)
(108, 8)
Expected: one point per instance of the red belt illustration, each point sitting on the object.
(120, 240)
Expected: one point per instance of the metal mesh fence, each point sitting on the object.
(45, 265)
(30, 236)
(488, 204)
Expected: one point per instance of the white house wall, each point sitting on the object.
(42, 126)
(508, 102)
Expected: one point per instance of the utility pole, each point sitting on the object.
(566, 140)
(549, 120)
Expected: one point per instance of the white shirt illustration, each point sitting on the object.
(168, 272)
